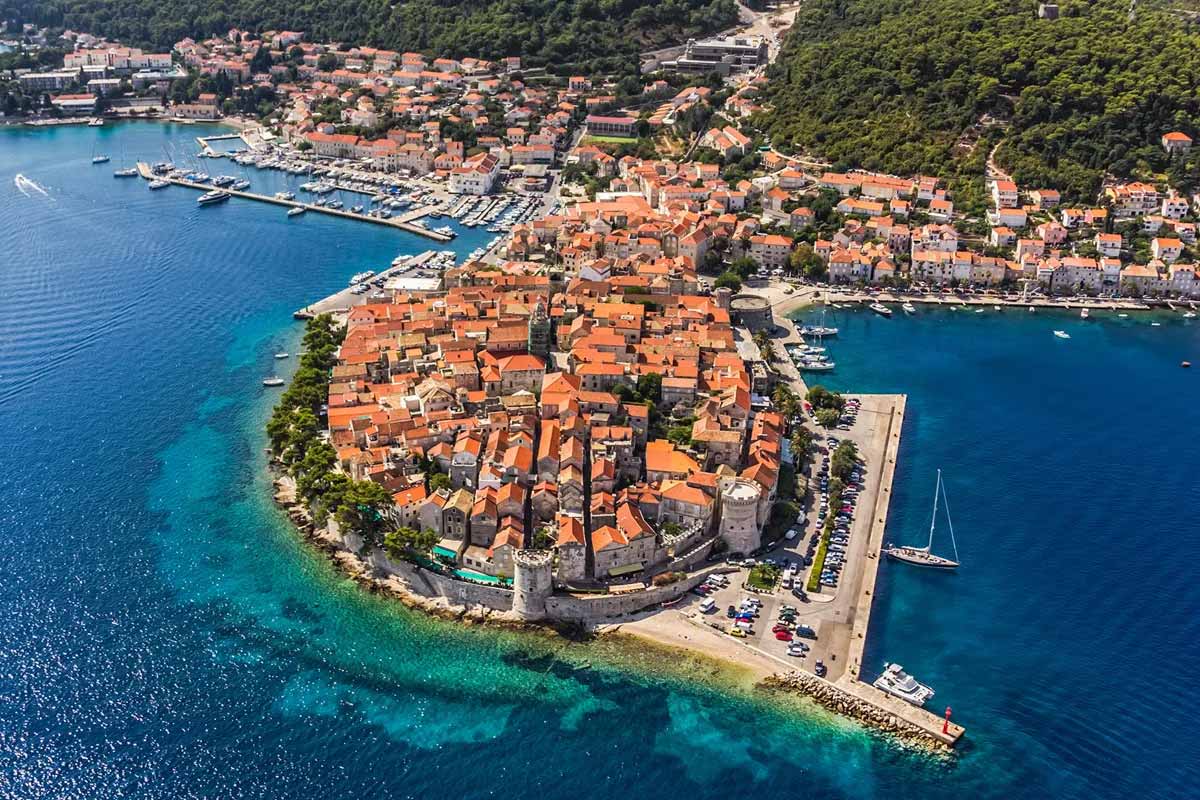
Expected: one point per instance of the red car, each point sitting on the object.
(780, 627)
(783, 636)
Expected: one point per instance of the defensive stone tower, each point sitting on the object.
(739, 515)
(532, 583)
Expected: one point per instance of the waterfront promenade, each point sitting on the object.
(403, 222)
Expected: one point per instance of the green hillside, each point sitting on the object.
(588, 35)
(902, 86)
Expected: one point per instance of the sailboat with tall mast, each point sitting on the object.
(924, 556)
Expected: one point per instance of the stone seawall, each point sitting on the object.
(430, 584)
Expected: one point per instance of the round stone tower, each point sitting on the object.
(739, 515)
(531, 583)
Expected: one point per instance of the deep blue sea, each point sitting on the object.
(166, 635)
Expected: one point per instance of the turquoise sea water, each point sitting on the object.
(167, 635)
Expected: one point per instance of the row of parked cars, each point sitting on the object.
(710, 585)
(839, 539)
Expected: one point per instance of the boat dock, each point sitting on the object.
(850, 681)
(403, 222)
(344, 299)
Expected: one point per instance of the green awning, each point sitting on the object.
(628, 569)
(444, 552)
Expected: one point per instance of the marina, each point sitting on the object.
(404, 222)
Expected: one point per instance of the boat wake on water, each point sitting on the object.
(26, 185)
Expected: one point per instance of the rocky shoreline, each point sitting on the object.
(360, 571)
(841, 702)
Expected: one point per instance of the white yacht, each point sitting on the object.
(100, 159)
(1083, 314)
(215, 196)
(908, 308)
(1062, 334)
(159, 184)
(296, 211)
(924, 556)
(127, 172)
(273, 380)
(880, 309)
(898, 683)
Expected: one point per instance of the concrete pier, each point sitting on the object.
(403, 223)
(344, 299)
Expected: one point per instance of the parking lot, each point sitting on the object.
(828, 612)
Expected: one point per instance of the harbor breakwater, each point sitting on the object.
(840, 701)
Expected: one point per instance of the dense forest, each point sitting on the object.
(588, 35)
(928, 86)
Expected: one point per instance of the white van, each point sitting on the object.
(708, 606)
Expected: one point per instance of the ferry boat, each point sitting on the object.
(215, 196)
(159, 184)
(923, 556)
(898, 683)
(880, 309)
(127, 172)
(100, 159)
(1062, 334)
(296, 211)
(273, 380)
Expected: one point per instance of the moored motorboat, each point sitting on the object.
(909, 308)
(296, 211)
(127, 172)
(1083, 313)
(898, 683)
(1062, 334)
(880, 309)
(215, 196)
(273, 380)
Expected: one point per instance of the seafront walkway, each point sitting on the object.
(403, 223)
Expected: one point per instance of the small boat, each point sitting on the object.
(908, 308)
(281, 355)
(215, 196)
(273, 380)
(296, 211)
(1032, 309)
(923, 556)
(127, 172)
(1155, 324)
(898, 683)
(285, 196)
(240, 185)
(1189, 315)
(997, 308)
(1185, 364)
(1122, 316)
(979, 311)
(816, 366)
(1062, 334)
(1083, 314)
(100, 159)
(880, 309)
(159, 184)
(95, 122)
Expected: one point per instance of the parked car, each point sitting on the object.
(783, 636)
